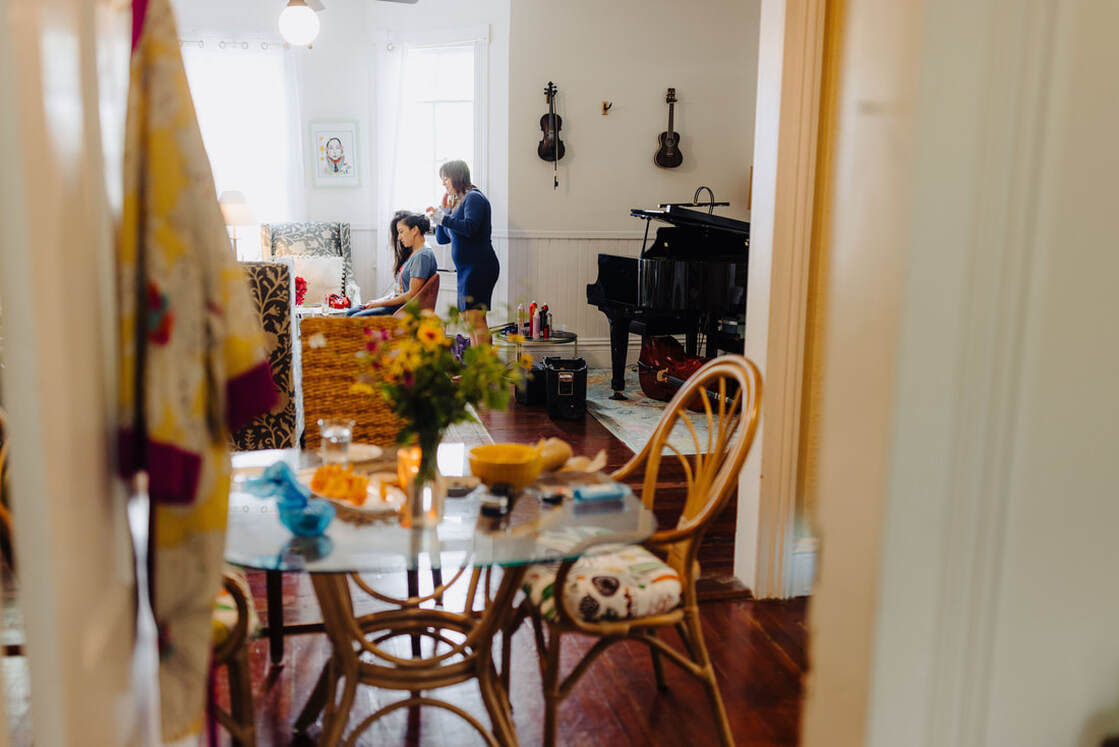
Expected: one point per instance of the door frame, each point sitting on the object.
(790, 74)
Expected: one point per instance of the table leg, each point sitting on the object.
(345, 671)
(414, 591)
(274, 595)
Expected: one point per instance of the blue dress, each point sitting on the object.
(468, 229)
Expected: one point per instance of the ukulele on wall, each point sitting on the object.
(668, 156)
(551, 147)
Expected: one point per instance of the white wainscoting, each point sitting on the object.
(364, 240)
(555, 268)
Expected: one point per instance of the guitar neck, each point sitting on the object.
(670, 113)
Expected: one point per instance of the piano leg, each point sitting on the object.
(619, 347)
(691, 340)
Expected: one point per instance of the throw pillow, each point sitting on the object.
(323, 276)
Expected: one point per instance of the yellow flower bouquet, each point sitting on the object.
(430, 379)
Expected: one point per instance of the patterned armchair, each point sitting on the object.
(272, 287)
(324, 239)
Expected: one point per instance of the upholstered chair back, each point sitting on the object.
(272, 288)
(322, 239)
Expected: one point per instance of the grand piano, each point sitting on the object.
(690, 280)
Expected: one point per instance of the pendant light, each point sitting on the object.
(299, 25)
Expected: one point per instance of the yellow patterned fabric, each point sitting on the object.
(193, 365)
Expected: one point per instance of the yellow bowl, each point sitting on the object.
(517, 465)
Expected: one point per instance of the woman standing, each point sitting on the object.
(413, 264)
(464, 221)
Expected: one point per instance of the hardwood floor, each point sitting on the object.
(758, 648)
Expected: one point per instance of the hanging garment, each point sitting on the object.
(193, 365)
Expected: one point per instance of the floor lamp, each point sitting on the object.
(236, 211)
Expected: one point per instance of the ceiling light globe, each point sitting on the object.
(299, 25)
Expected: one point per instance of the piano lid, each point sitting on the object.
(683, 217)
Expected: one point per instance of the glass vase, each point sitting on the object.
(425, 488)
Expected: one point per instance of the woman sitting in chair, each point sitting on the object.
(414, 264)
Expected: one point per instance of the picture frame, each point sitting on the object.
(335, 154)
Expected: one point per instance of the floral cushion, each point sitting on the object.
(224, 619)
(625, 583)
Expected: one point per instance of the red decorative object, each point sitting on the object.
(300, 290)
(337, 301)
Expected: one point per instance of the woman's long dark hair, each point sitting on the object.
(399, 251)
(459, 174)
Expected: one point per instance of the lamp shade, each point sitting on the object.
(298, 23)
(235, 209)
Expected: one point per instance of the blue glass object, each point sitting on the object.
(279, 480)
(303, 515)
(307, 520)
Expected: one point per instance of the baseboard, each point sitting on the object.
(804, 566)
(594, 350)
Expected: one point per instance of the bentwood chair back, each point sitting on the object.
(630, 593)
(426, 298)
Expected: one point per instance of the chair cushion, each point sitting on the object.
(224, 619)
(623, 584)
(323, 276)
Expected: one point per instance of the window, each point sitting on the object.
(245, 112)
(437, 121)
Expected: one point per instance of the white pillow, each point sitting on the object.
(323, 275)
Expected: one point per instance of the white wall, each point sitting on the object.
(628, 52)
(968, 498)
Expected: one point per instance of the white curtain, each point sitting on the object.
(415, 134)
(246, 95)
(391, 65)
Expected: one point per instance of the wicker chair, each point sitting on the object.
(7, 555)
(231, 635)
(330, 368)
(582, 596)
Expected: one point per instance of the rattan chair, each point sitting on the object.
(231, 651)
(601, 595)
(330, 368)
(7, 556)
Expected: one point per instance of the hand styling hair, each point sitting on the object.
(411, 220)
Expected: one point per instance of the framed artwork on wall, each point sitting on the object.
(334, 154)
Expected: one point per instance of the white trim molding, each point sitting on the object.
(789, 75)
(981, 138)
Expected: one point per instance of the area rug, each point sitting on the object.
(634, 419)
(471, 433)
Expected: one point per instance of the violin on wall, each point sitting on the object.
(668, 156)
(551, 147)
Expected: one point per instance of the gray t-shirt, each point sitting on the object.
(420, 265)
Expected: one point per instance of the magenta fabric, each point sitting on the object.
(248, 395)
(139, 11)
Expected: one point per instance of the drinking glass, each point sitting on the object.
(336, 436)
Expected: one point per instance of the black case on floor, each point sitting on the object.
(533, 390)
(566, 387)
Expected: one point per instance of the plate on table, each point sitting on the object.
(365, 452)
(383, 497)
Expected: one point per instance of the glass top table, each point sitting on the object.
(447, 646)
(533, 531)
